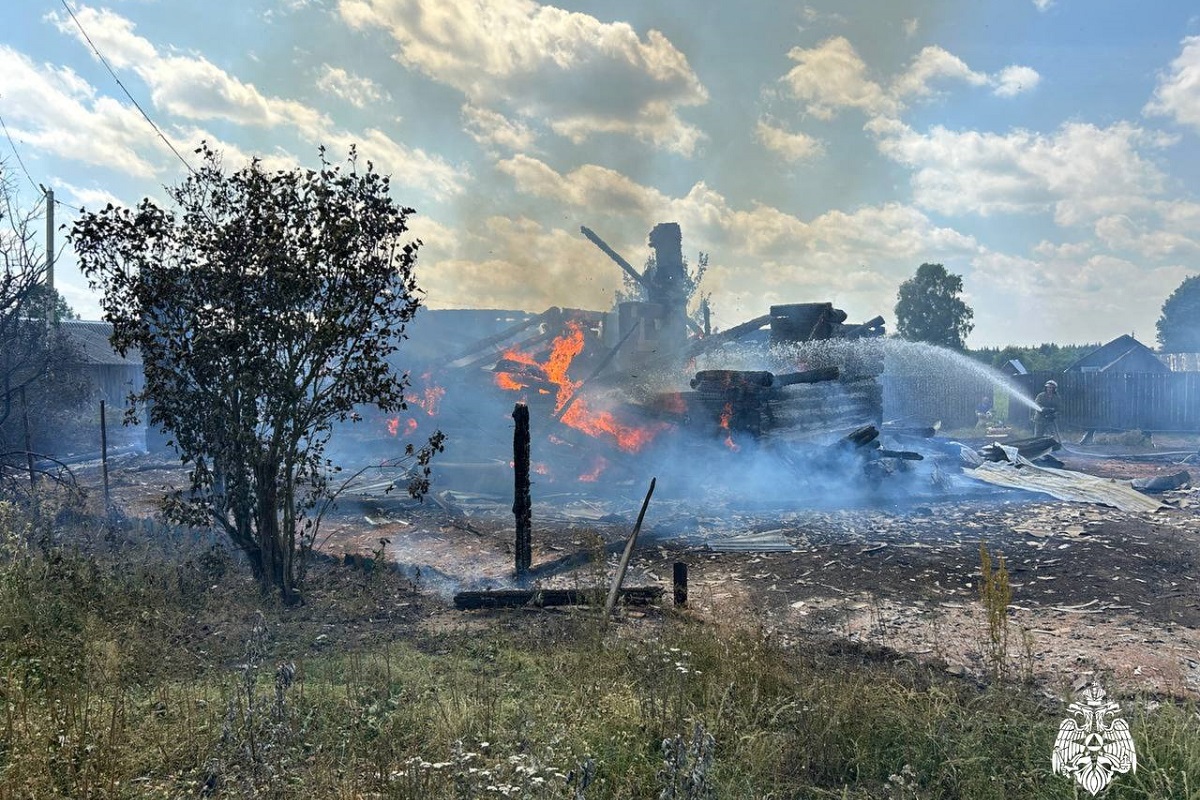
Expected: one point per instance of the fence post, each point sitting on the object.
(104, 456)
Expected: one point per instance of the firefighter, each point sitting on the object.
(1045, 421)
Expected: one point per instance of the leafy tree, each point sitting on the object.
(1046, 356)
(928, 308)
(38, 381)
(265, 308)
(1179, 325)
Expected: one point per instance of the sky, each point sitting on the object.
(1044, 150)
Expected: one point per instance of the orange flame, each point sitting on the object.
(598, 466)
(410, 426)
(726, 415)
(580, 416)
(505, 381)
(393, 426)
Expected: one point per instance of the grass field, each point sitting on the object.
(138, 662)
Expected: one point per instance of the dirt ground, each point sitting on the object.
(1094, 590)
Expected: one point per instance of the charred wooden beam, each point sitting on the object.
(521, 369)
(715, 381)
(862, 437)
(515, 598)
(552, 313)
(522, 504)
(872, 327)
(733, 334)
(903, 455)
(819, 375)
(615, 256)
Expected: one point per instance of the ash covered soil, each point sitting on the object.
(1094, 589)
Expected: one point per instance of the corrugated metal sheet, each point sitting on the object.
(764, 542)
(92, 340)
(1074, 487)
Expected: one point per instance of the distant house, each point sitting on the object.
(1014, 367)
(113, 375)
(1123, 354)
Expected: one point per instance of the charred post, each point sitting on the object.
(104, 455)
(522, 504)
(679, 582)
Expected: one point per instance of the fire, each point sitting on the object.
(393, 426)
(726, 416)
(429, 397)
(580, 415)
(598, 466)
(505, 381)
(540, 468)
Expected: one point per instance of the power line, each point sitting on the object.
(113, 73)
(17, 153)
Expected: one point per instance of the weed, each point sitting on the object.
(995, 593)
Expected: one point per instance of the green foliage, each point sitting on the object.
(265, 308)
(1179, 325)
(929, 309)
(995, 593)
(39, 380)
(1044, 357)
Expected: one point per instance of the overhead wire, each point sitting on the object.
(17, 153)
(132, 99)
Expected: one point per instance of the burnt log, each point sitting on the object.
(515, 598)
(870, 328)
(718, 380)
(861, 437)
(521, 369)
(714, 381)
(819, 375)
(903, 455)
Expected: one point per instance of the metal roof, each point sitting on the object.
(92, 338)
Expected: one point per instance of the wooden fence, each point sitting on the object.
(1124, 401)
(925, 399)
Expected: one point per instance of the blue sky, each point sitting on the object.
(1045, 150)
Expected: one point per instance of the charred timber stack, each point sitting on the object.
(855, 399)
(807, 322)
(746, 401)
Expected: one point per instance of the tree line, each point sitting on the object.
(929, 308)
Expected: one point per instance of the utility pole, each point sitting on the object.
(50, 255)
(50, 238)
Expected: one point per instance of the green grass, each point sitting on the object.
(158, 671)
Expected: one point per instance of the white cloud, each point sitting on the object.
(1178, 92)
(356, 90)
(934, 63)
(194, 89)
(1069, 295)
(492, 129)
(832, 76)
(911, 26)
(581, 75)
(1081, 171)
(765, 255)
(1043, 5)
(791, 146)
(185, 86)
(1014, 80)
(55, 111)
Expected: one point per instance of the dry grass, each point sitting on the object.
(131, 670)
